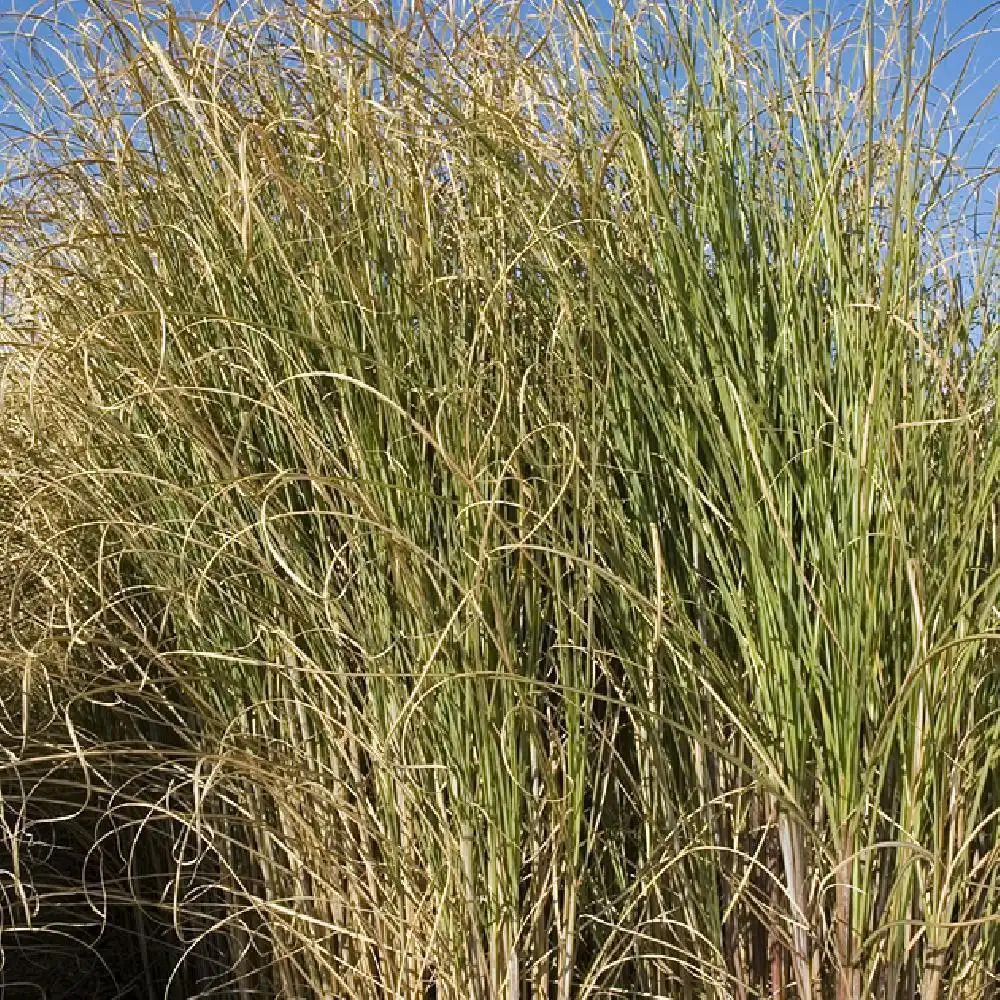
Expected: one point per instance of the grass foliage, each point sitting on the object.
(497, 504)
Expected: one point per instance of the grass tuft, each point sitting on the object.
(497, 503)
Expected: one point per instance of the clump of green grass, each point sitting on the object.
(498, 506)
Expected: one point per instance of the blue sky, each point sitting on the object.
(973, 24)
(977, 24)
(981, 26)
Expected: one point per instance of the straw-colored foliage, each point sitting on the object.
(496, 506)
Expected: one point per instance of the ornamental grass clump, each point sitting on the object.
(496, 503)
